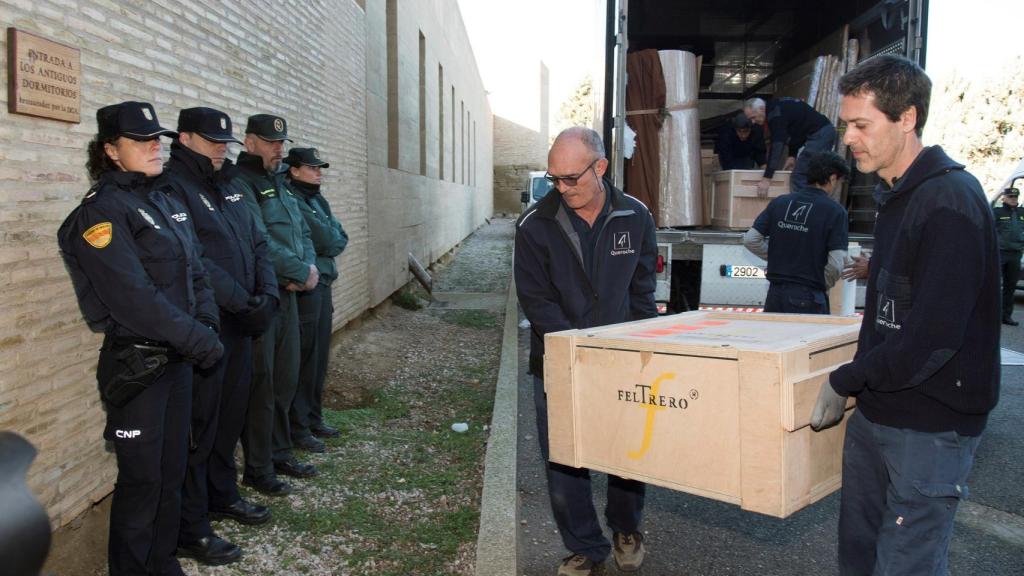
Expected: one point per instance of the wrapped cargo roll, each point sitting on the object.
(679, 142)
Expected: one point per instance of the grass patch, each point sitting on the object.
(479, 319)
(406, 298)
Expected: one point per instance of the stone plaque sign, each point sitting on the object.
(44, 77)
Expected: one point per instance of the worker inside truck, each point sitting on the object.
(740, 144)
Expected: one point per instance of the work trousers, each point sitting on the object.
(316, 312)
(901, 489)
(572, 501)
(822, 139)
(795, 299)
(150, 437)
(220, 397)
(1009, 261)
(266, 438)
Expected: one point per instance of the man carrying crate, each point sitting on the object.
(926, 372)
(585, 257)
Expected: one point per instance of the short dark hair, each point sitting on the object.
(897, 84)
(98, 162)
(741, 122)
(823, 165)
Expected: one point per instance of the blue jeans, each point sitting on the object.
(795, 299)
(572, 501)
(900, 492)
(822, 139)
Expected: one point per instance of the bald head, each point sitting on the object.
(590, 140)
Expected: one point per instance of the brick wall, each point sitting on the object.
(305, 60)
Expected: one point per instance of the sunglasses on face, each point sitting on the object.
(570, 180)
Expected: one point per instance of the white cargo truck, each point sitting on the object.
(745, 49)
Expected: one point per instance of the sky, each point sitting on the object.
(972, 37)
(510, 39)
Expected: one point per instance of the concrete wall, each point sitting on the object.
(411, 212)
(521, 132)
(317, 63)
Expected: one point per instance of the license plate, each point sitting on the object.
(732, 271)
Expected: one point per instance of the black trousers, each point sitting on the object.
(316, 313)
(150, 438)
(220, 397)
(267, 436)
(795, 299)
(1010, 263)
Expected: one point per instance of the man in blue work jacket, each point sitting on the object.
(585, 257)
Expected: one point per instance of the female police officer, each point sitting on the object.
(132, 256)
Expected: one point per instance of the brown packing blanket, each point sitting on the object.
(645, 90)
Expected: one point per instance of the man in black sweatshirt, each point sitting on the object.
(794, 124)
(926, 372)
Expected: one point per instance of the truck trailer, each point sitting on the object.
(744, 48)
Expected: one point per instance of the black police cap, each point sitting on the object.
(211, 124)
(267, 126)
(135, 120)
(305, 156)
(1012, 192)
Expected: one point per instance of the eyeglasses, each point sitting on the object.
(571, 180)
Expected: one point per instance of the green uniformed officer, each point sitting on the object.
(1010, 227)
(267, 440)
(315, 307)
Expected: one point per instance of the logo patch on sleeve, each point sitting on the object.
(100, 235)
(269, 193)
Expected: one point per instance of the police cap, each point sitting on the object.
(268, 127)
(211, 124)
(135, 120)
(1012, 192)
(305, 156)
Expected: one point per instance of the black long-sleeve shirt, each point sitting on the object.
(790, 122)
(736, 154)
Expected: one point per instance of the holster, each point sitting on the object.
(127, 370)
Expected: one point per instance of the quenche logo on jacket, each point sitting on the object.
(621, 244)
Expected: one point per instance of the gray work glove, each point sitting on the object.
(828, 410)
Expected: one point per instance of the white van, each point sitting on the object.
(537, 187)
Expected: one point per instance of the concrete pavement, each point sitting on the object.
(689, 535)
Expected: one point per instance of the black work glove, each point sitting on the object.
(260, 313)
(207, 349)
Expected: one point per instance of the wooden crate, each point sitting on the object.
(716, 404)
(734, 201)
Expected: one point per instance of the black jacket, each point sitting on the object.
(736, 154)
(928, 353)
(554, 289)
(134, 262)
(790, 122)
(234, 251)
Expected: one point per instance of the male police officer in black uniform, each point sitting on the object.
(267, 437)
(235, 255)
(316, 310)
(1010, 226)
(803, 236)
(740, 144)
(134, 262)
